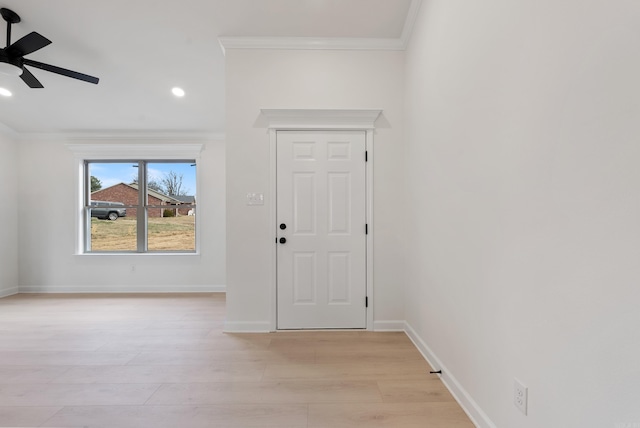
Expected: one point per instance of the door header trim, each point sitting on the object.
(320, 119)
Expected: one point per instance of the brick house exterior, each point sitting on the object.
(128, 195)
(186, 200)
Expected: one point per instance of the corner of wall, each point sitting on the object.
(9, 292)
(9, 196)
(389, 325)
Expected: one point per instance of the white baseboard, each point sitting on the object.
(396, 325)
(8, 292)
(468, 404)
(247, 327)
(123, 289)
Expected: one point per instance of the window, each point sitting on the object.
(139, 206)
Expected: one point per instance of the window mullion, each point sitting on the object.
(142, 207)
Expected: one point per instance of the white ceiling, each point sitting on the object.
(140, 49)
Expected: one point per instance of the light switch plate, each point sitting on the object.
(255, 199)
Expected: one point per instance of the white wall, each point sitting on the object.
(47, 183)
(522, 153)
(9, 229)
(315, 80)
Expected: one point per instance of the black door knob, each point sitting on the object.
(283, 226)
(283, 240)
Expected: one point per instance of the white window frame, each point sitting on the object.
(116, 152)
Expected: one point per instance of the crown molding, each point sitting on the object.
(142, 136)
(327, 43)
(309, 43)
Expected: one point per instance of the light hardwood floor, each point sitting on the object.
(121, 361)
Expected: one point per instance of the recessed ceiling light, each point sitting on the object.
(178, 92)
(5, 92)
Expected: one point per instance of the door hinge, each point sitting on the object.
(366, 156)
(366, 301)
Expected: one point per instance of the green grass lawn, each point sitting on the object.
(164, 234)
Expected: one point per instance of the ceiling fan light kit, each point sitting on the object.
(6, 67)
(12, 60)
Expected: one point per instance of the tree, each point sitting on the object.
(96, 184)
(172, 184)
(152, 185)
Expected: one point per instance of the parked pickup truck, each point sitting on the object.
(108, 210)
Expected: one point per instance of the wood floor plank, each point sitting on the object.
(390, 355)
(69, 358)
(223, 372)
(182, 324)
(26, 416)
(332, 338)
(388, 415)
(407, 391)
(151, 333)
(52, 344)
(211, 357)
(75, 395)
(183, 343)
(267, 392)
(349, 371)
(30, 374)
(220, 416)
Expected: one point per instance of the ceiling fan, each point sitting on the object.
(12, 60)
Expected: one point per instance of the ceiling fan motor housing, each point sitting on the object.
(10, 65)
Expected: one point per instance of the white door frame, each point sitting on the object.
(321, 120)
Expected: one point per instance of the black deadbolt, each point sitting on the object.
(283, 240)
(283, 226)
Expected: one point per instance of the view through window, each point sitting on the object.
(122, 216)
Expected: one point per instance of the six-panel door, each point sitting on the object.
(321, 201)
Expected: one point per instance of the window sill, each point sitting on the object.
(137, 254)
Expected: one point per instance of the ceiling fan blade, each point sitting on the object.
(29, 43)
(62, 71)
(30, 79)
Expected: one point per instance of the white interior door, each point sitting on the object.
(321, 235)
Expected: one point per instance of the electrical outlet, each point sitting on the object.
(520, 393)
